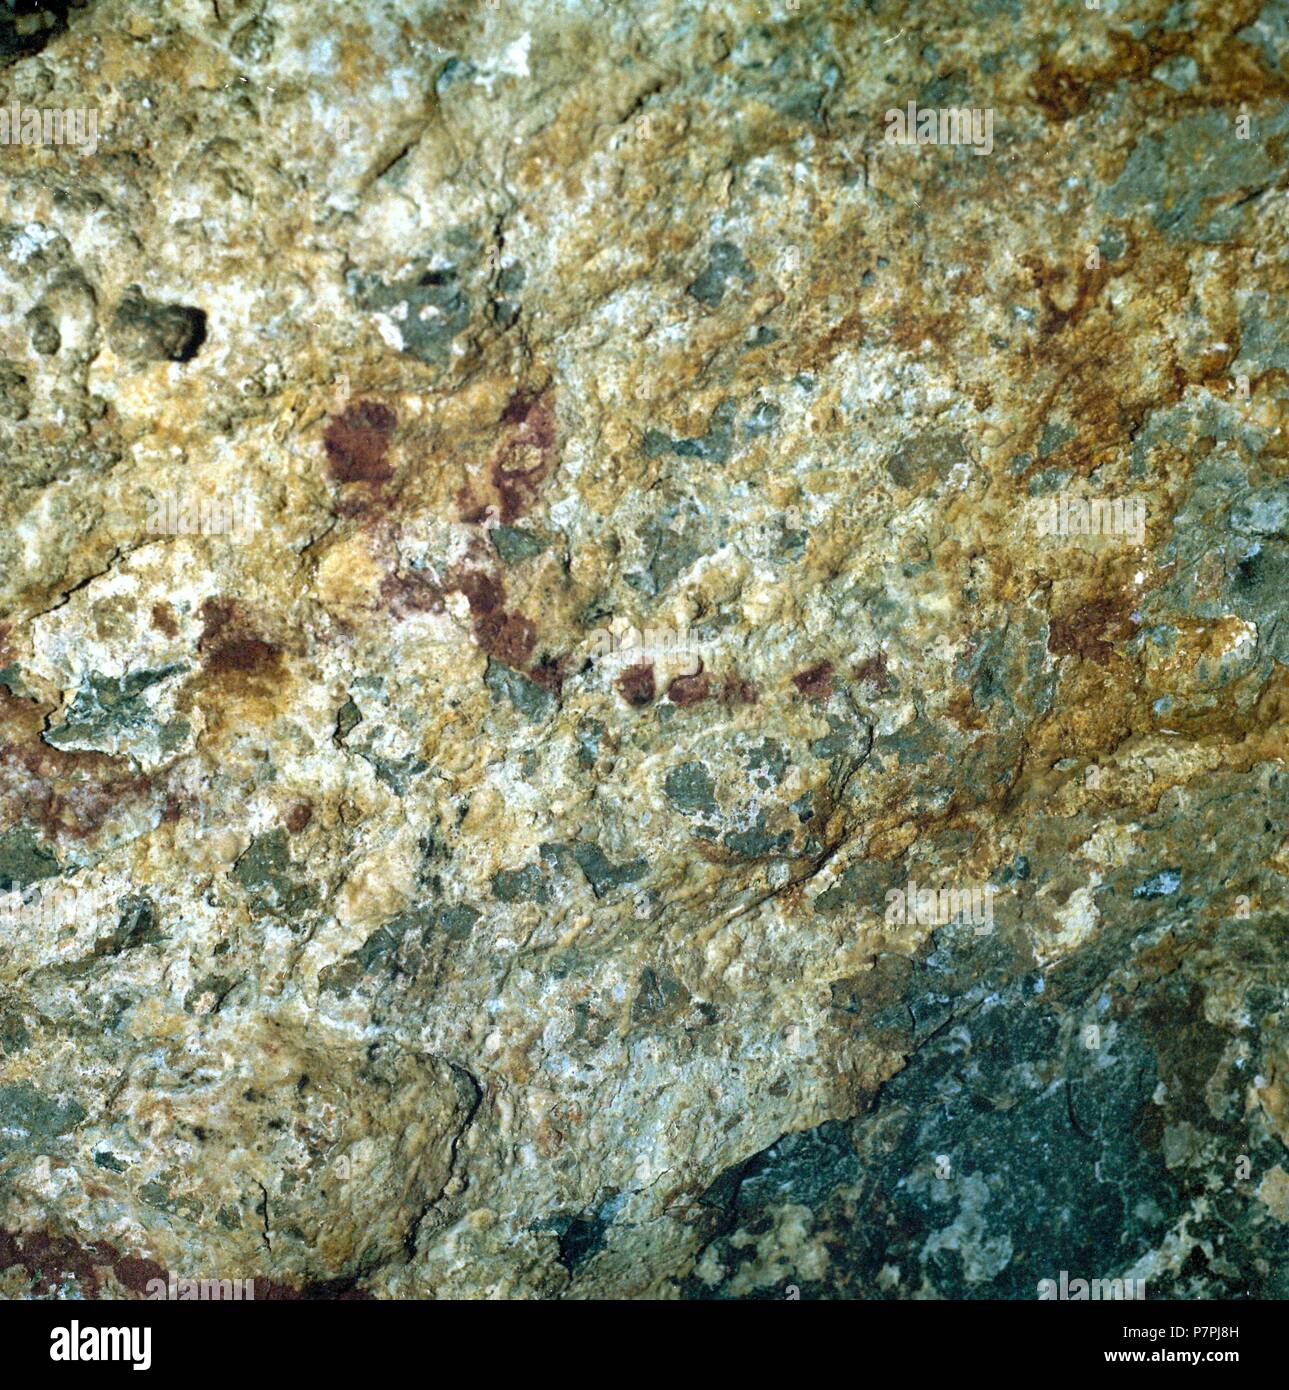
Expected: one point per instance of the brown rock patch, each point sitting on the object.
(815, 682)
(637, 686)
(357, 441)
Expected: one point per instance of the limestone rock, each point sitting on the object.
(614, 684)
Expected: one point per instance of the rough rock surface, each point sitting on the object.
(381, 918)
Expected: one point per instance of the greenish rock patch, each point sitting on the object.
(589, 734)
(24, 860)
(926, 458)
(110, 713)
(526, 885)
(431, 304)
(1269, 32)
(136, 926)
(715, 446)
(690, 789)
(582, 1234)
(29, 1119)
(456, 922)
(514, 544)
(672, 543)
(767, 762)
(265, 871)
(604, 875)
(756, 842)
(1185, 178)
(659, 997)
(724, 263)
(526, 695)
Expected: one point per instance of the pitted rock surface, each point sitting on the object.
(535, 541)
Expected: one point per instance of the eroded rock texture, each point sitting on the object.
(382, 916)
